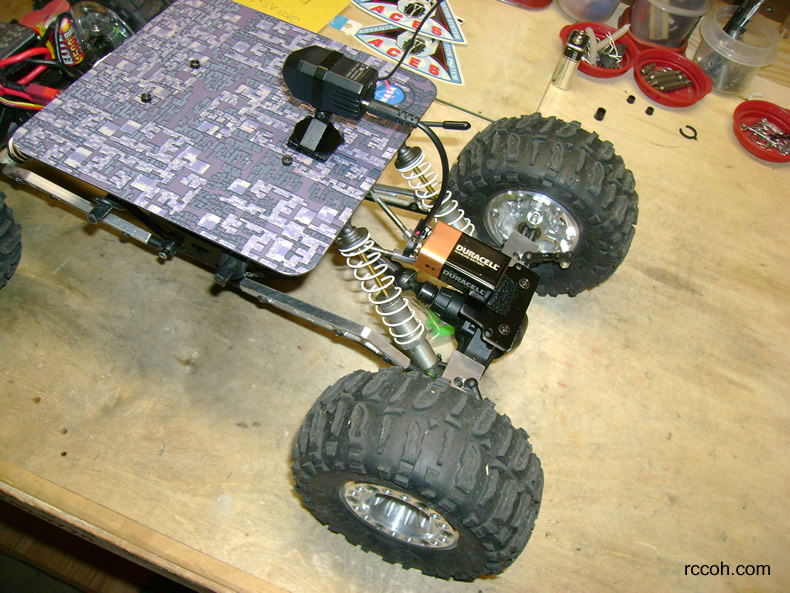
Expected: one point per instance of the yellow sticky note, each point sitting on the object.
(312, 15)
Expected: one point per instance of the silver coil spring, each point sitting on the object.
(387, 299)
(422, 179)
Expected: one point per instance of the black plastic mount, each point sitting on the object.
(486, 329)
(316, 137)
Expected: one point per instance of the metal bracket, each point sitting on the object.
(461, 368)
(341, 326)
(86, 206)
(524, 250)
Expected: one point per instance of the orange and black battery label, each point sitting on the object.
(67, 41)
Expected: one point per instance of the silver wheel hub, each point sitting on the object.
(401, 516)
(535, 215)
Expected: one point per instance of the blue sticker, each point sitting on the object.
(390, 93)
(338, 22)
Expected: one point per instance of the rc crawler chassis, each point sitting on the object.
(246, 144)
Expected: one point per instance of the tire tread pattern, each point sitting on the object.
(428, 438)
(571, 165)
(10, 242)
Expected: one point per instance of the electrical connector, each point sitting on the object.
(40, 93)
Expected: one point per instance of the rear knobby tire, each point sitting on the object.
(574, 169)
(10, 242)
(466, 473)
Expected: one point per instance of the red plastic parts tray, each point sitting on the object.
(751, 112)
(662, 58)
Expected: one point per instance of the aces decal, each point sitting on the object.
(429, 56)
(408, 14)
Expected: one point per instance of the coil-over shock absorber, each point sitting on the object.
(406, 330)
(419, 174)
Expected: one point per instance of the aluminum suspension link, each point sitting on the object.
(375, 342)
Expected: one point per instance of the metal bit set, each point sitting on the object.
(768, 136)
(664, 79)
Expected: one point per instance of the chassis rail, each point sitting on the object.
(341, 326)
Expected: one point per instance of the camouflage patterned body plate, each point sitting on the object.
(206, 152)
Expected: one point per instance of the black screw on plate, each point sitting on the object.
(194, 64)
(631, 99)
(649, 110)
(145, 97)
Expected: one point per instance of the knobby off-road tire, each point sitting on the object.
(517, 164)
(419, 472)
(10, 242)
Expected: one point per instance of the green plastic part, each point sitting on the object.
(436, 327)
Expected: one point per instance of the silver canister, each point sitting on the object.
(569, 61)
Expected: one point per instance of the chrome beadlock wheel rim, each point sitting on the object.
(401, 516)
(537, 216)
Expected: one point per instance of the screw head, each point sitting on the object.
(535, 218)
(145, 97)
(287, 160)
(523, 283)
(504, 329)
(194, 64)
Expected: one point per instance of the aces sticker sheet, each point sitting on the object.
(408, 14)
(433, 52)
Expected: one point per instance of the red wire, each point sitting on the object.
(28, 53)
(30, 76)
(25, 96)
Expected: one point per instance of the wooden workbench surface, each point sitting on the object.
(154, 414)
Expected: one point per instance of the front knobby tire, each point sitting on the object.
(558, 184)
(10, 242)
(419, 472)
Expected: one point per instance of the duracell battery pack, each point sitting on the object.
(462, 261)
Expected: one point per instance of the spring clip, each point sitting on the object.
(419, 174)
(768, 136)
(379, 285)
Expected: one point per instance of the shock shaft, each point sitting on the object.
(406, 330)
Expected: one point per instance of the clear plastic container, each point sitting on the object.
(730, 63)
(666, 22)
(588, 10)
